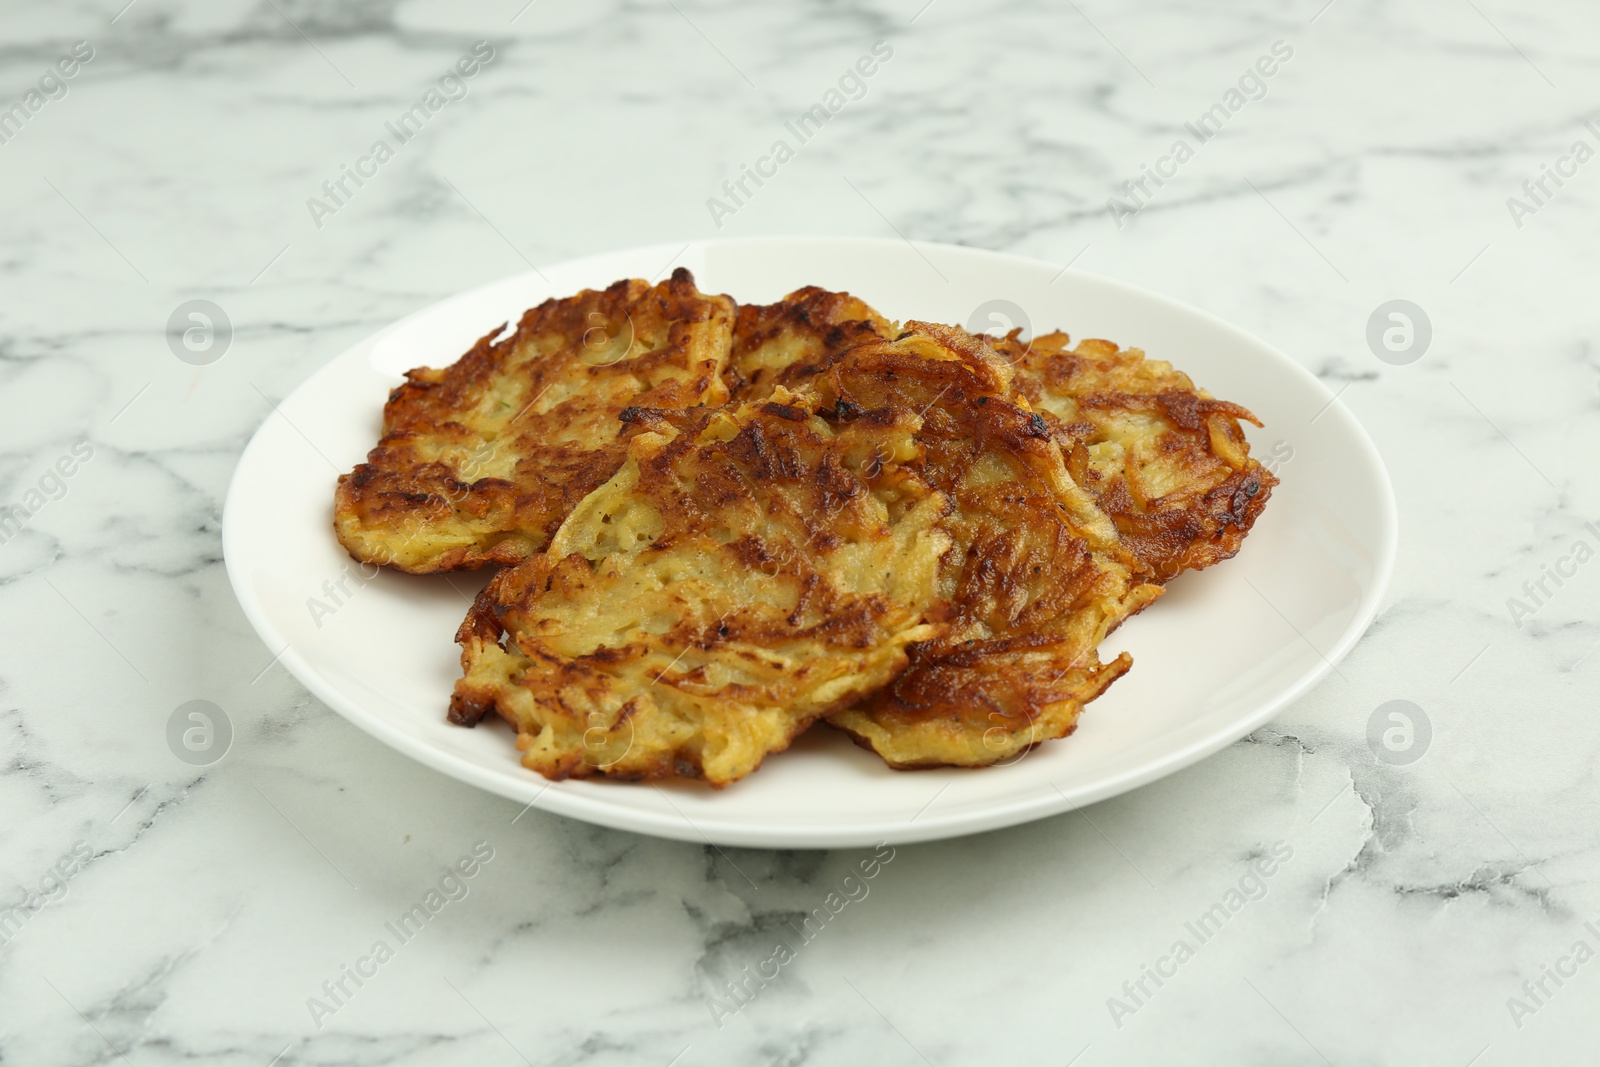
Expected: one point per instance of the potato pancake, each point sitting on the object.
(480, 461)
(1034, 578)
(803, 329)
(724, 523)
(1165, 460)
(745, 572)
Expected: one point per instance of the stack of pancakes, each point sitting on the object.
(719, 524)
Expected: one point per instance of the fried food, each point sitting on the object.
(746, 571)
(1164, 459)
(803, 329)
(724, 523)
(1034, 578)
(1167, 461)
(480, 461)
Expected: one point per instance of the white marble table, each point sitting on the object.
(175, 913)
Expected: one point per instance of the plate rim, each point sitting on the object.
(671, 823)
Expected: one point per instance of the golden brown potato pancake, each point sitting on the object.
(480, 461)
(1167, 461)
(1034, 578)
(803, 328)
(922, 536)
(745, 572)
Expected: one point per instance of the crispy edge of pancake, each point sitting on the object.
(1035, 577)
(480, 461)
(625, 650)
(1120, 418)
(803, 328)
(1058, 699)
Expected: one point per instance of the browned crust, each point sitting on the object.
(1035, 576)
(471, 702)
(800, 330)
(1077, 481)
(991, 729)
(786, 567)
(479, 462)
(1215, 490)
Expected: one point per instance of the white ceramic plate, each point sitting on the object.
(1219, 655)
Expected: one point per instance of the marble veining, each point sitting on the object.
(156, 911)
